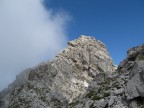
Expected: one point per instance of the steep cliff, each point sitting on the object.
(57, 83)
(132, 71)
(122, 89)
(82, 76)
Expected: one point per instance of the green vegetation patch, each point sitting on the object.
(106, 94)
(96, 97)
(73, 104)
(14, 105)
(141, 57)
(90, 94)
(43, 98)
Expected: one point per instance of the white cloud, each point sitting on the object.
(29, 34)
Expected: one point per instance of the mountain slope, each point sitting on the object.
(122, 89)
(55, 84)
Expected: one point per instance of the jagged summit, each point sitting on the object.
(89, 50)
(54, 84)
(82, 40)
(81, 76)
(122, 89)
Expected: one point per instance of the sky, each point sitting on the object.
(29, 34)
(119, 24)
(33, 31)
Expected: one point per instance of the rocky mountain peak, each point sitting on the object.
(122, 89)
(58, 82)
(81, 76)
(89, 52)
(82, 40)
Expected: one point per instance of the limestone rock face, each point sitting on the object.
(121, 89)
(57, 83)
(82, 76)
(105, 93)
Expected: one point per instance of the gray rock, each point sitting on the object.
(133, 104)
(82, 76)
(112, 100)
(122, 89)
(89, 103)
(20, 79)
(118, 91)
(55, 84)
(135, 86)
(100, 104)
(132, 70)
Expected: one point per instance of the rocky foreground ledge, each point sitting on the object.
(82, 76)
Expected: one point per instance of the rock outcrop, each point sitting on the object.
(82, 76)
(122, 89)
(132, 70)
(105, 91)
(57, 83)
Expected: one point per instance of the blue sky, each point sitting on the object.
(33, 31)
(117, 23)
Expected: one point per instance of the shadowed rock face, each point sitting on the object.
(55, 84)
(132, 68)
(135, 86)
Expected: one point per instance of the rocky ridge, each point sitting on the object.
(82, 76)
(57, 83)
(20, 79)
(122, 89)
(132, 71)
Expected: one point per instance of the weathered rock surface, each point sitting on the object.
(107, 93)
(55, 84)
(20, 79)
(132, 71)
(82, 76)
(122, 89)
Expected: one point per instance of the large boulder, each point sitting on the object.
(135, 85)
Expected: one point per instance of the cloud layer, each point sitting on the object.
(29, 34)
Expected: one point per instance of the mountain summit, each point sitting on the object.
(121, 89)
(81, 76)
(56, 83)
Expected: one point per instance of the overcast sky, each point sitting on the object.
(29, 34)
